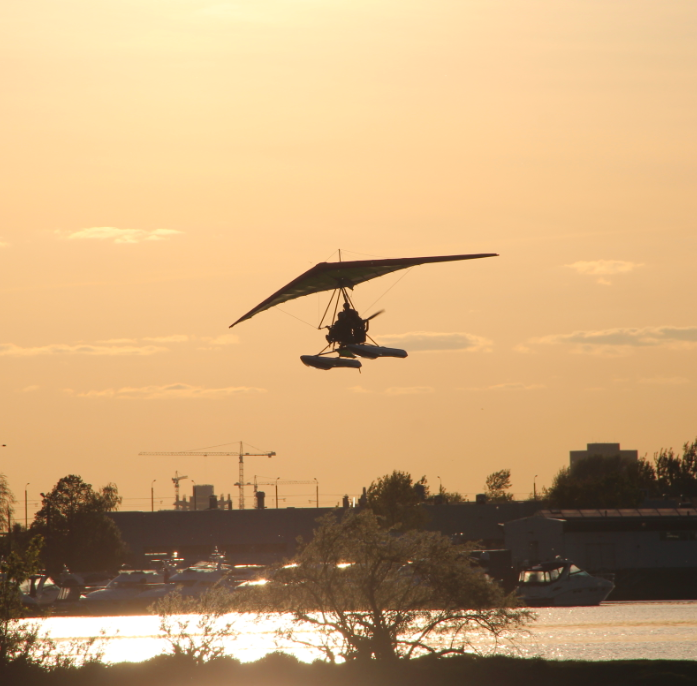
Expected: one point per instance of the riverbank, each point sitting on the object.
(284, 670)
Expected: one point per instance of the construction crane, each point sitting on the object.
(241, 454)
(285, 482)
(175, 480)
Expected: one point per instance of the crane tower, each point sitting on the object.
(241, 454)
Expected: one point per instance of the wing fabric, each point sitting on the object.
(327, 276)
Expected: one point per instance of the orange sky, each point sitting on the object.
(168, 165)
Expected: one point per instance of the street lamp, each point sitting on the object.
(316, 492)
(534, 488)
(26, 515)
(152, 495)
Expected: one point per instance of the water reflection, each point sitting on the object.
(607, 632)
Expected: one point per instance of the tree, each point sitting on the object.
(444, 497)
(367, 592)
(78, 532)
(602, 482)
(397, 500)
(197, 627)
(497, 483)
(6, 504)
(16, 640)
(676, 475)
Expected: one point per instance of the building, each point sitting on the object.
(650, 553)
(263, 536)
(603, 449)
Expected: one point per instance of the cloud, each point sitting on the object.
(220, 341)
(111, 233)
(510, 386)
(665, 380)
(4, 245)
(429, 341)
(29, 389)
(81, 349)
(620, 341)
(602, 268)
(396, 390)
(408, 390)
(175, 338)
(175, 390)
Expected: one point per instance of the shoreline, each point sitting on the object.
(280, 669)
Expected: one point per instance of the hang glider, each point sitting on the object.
(348, 331)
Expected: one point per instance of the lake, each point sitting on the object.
(611, 631)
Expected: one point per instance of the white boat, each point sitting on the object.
(124, 591)
(561, 583)
(39, 591)
(197, 579)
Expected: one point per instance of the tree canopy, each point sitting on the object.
(6, 503)
(367, 592)
(600, 482)
(497, 483)
(676, 475)
(396, 499)
(77, 531)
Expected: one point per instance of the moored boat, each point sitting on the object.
(561, 583)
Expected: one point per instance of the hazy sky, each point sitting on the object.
(166, 165)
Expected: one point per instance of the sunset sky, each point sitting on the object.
(168, 165)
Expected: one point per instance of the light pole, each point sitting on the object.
(277, 478)
(534, 488)
(152, 495)
(316, 492)
(26, 509)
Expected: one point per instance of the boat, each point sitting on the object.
(39, 592)
(561, 583)
(123, 592)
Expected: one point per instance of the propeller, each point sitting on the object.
(372, 316)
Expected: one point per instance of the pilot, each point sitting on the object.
(348, 328)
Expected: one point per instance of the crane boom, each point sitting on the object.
(216, 453)
(285, 482)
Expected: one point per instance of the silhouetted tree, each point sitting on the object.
(497, 483)
(7, 501)
(397, 500)
(366, 592)
(676, 475)
(598, 481)
(17, 640)
(77, 530)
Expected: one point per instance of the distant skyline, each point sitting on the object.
(168, 166)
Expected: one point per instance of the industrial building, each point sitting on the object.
(602, 450)
(650, 554)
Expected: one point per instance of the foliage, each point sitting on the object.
(78, 532)
(602, 482)
(196, 627)
(367, 592)
(444, 497)
(676, 475)
(16, 640)
(7, 501)
(397, 500)
(497, 483)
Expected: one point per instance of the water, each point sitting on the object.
(611, 631)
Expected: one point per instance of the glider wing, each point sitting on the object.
(327, 276)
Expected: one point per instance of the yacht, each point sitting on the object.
(39, 591)
(124, 591)
(561, 583)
